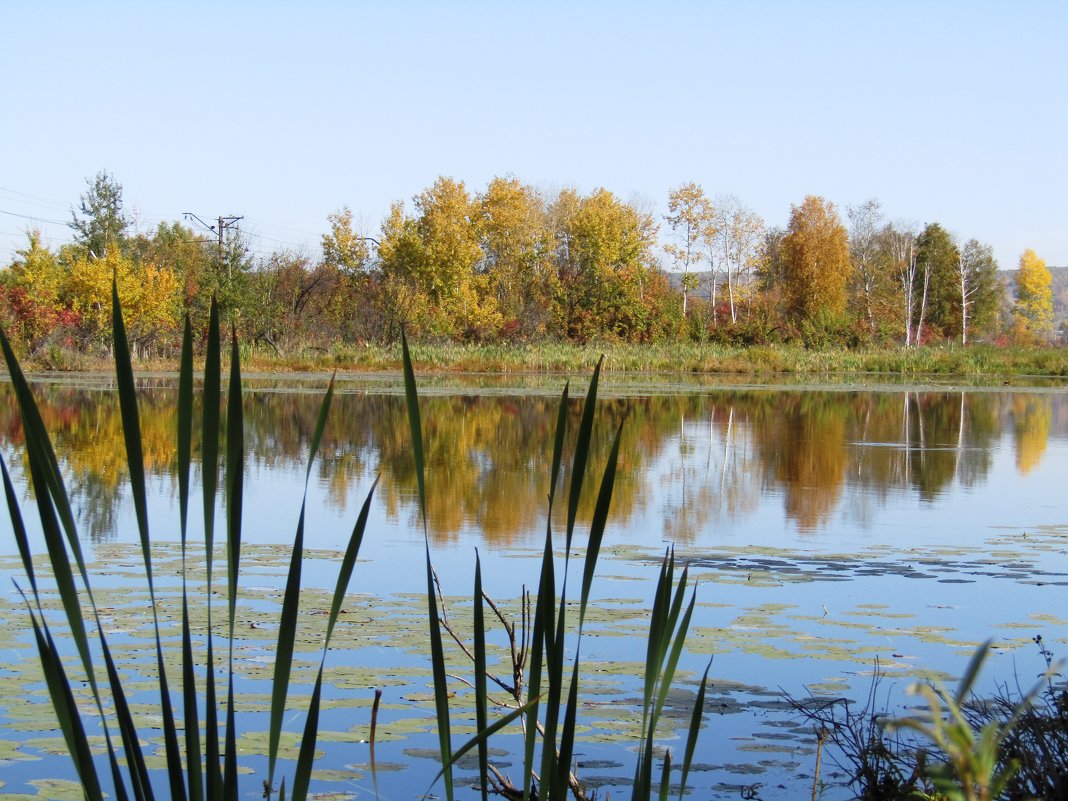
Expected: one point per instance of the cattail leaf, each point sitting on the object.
(582, 452)
(481, 691)
(695, 727)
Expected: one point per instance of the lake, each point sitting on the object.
(830, 528)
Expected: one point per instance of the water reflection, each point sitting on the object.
(694, 460)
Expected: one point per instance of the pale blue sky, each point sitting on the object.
(955, 112)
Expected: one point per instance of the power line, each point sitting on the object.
(35, 219)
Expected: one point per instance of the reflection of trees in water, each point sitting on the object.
(1032, 416)
(694, 462)
(715, 472)
(814, 444)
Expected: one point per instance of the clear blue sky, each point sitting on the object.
(955, 112)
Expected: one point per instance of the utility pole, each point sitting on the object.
(223, 224)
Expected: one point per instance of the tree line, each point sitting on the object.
(514, 264)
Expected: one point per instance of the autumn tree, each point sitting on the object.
(604, 256)
(343, 248)
(815, 254)
(690, 218)
(99, 222)
(405, 304)
(33, 289)
(448, 228)
(150, 295)
(1033, 311)
(190, 256)
(517, 244)
(350, 288)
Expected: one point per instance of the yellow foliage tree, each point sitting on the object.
(517, 246)
(151, 297)
(815, 253)
(35, 281)
(1034, 296)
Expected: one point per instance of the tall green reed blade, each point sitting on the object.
(695, 727)
(558, 444)
(437, 652)
(556, 765)
(666, 638)
(547, 640)
(598, 524)
(19, 529)
(287, 624)
(481, 691)
(191, 715)
(53, 506)
(70, 720)
(39, 441)
(235, 478)
(657, 623)
(210, 471)
(131, 431)
(306, 757)
(582, 453)
(665, 777)
(667, 671)
(59, 687)
(541, 631)
(47, 484)
(642, 786)
(593, 549)
(212, 428)
(185, 429)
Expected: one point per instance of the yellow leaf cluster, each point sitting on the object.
(1034, 295)
(150, 295)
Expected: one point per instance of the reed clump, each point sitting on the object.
(196, 703)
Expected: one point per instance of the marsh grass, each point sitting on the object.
(711, 358)
(201, 761)
(703, 358)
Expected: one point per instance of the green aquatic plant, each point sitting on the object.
(969, 762)
(549, 713)
(200, 759)
(204, 770)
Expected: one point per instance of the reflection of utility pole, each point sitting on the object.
(223, 224)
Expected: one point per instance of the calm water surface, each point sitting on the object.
(828, 528)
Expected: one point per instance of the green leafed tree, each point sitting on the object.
(874, 289)
(99, 222)
(980, 291)
(938, 259)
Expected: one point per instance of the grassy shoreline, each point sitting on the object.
(973, 362)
